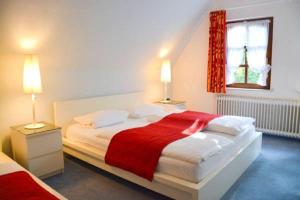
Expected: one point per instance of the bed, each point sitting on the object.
(174, 178)
(7, 166)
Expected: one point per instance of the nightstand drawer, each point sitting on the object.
(38, 150)
(46, 164)
(44, 144)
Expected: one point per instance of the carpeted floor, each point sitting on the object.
(275, 175)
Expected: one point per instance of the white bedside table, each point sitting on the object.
(172, 105)
(38, 150)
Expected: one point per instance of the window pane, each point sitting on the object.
(235, 57)
(258, 33)
(253, 76)
(257, 57)
(236, 35)
(239, 75)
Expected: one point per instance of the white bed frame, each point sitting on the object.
(212, 187)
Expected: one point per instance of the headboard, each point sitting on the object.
(64, 111)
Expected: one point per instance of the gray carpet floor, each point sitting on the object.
(274, 175)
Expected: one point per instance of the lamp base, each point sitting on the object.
(34, 126)
(165, 101)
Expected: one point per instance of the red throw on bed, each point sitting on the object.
(20, 186)
(138, 149)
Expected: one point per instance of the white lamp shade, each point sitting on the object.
(165, 75)
(31, 75)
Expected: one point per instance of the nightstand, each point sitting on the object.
(38, 150)
(172, 105)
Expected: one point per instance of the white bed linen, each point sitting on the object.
(184, 169)
(200, 146)
(7, 165)
(230, 124)
(196, 172)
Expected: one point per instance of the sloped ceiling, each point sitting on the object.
(88, 48)
(84, 35)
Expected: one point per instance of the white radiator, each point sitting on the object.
(274, 116)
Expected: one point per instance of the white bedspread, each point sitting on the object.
(195, 148)
(193, 172)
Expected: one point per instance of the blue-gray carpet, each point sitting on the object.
(275, 175)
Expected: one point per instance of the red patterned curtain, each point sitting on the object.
(216, 81)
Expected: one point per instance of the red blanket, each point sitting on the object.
(138, 149)
(20, 186)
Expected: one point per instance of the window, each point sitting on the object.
(249, 53)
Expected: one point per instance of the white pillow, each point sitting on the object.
(145, 110)
(232, 125)
(102, 118)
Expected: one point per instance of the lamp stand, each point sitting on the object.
(166, 99)
(34, 125)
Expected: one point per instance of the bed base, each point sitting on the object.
(212, 187)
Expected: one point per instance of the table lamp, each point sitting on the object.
(32, 85)
(165, 77)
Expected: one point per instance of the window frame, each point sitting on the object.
(269, 57)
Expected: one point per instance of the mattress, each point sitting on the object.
(193, 172)
(7, 165)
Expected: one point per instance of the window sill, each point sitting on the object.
(247, 89)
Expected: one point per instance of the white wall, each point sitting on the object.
(97, 47)
(190, 70)
(87, 48)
